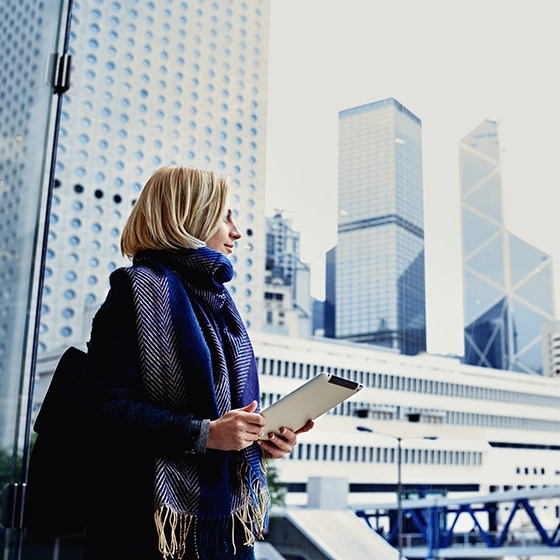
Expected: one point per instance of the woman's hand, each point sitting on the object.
(236, 429)
(279, 445)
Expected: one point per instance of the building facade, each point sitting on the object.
(507, 283)
(154, 84)
(463, 428)
(550, 332)
(380, 284)
(287, 298)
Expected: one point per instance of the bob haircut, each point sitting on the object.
(179, 208)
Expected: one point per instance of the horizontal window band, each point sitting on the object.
(510, 445)
(357, 488)
(381, 221)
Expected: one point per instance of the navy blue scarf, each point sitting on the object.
(196, 357)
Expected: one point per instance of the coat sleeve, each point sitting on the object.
(111, 395)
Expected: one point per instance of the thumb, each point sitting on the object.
(250, 407)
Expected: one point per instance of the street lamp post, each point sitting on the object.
(400, 517)
(399, 498)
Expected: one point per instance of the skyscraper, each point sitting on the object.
(155, 83)
(380, 286)
(507, 283)
(287, 298)
(330, 292)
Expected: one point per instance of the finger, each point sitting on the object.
(256, 419)
(250, 407)
(280, 442)
(289, 436)
(272, 450)
(253, 432)
(309, 426)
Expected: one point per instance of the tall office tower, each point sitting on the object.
(330, 293)
(507, 283)
(155, 83)
(380, 287)
(287, 298)
(318, 317)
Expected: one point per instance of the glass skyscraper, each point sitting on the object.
(507, 283)
(380, 284)
(154, 83)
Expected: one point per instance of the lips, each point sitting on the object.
(229, 247)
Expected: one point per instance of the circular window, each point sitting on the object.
(66, 331)
(98, 193)
(69, 294)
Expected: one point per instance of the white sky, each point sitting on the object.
(452, 63)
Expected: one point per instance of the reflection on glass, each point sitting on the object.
(26, 108)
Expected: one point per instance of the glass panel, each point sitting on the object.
(489, 336)
(27, 109)
(476, 230)
(539, 290)
(524, 258)
(474, 169)
(479, 296)
(490, 261)
(532, 358)
(488, 198)
(484, 139)
(526, 325)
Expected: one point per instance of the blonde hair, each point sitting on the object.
(179, 207)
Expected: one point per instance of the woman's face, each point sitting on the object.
(224, 239)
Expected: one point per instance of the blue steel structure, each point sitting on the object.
(507, 283)
(434, 522)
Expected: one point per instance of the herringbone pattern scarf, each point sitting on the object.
(196, 357)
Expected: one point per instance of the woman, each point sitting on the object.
(170, 395)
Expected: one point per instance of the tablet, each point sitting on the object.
(307, 402)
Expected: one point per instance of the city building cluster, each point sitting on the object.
(157, 83)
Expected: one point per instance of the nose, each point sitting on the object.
(234, 232)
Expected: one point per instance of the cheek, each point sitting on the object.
(218, 238)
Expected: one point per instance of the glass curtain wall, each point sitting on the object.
(32, 35)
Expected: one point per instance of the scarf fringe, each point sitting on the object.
(173, 527)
